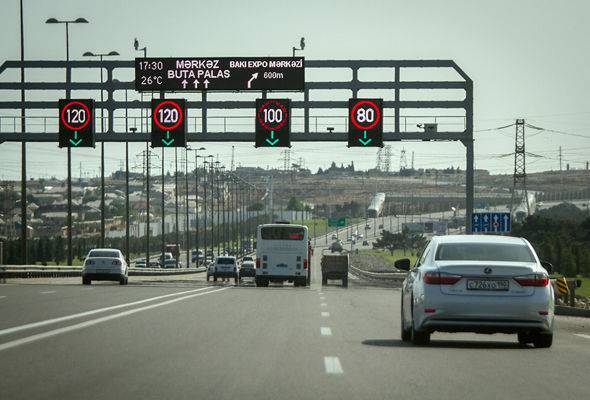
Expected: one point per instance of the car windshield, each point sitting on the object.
(103, 254)
(282, 233)
(484, 252)
(225, 260)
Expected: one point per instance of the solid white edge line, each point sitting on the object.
(323, 305)
(325, 314)
(582, 335)
(322, 298)
(91, 312)
(332, 365)
(86, 324)
(2, 297)
(325, 331)
(48, 292)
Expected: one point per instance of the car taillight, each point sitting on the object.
(537, 280)
(116, 262)
(436, 278)
(305, 263)
(257, 262)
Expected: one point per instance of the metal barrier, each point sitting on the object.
(19, 271)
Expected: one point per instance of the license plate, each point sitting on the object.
(281, 265)
(487, 284)
(104, 271)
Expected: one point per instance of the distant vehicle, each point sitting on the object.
(336, 247)
(225, 267)
(365, 242)
(359, 236)
(335, 266)
(334, 237)
(174, 249)
(478, 283)
(247, 269)
(376, 206)
(169, 261)
(247, 258)
(282, 254)
(140, 263)
(197, 257)
(367, 227)
(380, 226)
(105, 265)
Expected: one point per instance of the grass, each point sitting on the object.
(387, 256)
(321, 225)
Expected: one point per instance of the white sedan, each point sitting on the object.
(105, 265)
(481, 284)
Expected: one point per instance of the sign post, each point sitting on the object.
(76, 123)
(365, 123)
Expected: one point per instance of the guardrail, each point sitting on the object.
(33, 271)
(392, 276)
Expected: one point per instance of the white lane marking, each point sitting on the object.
(322, 298)
(582, 335)
(86, 324)
(91, 312)
(332, 365)
(323, 305)
(325, 314)
(48, 292)
(321, 294)
(325, 331)
(2, 297)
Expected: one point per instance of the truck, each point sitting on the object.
(335, 266)
(174, 249)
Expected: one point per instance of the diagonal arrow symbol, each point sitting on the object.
(75, 142)
(272, 136)
(364, 141)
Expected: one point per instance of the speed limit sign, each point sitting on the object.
(168, 123)
(76, 123)
(273, 123)
(365, 123)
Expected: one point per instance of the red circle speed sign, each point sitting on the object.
(369, 106)
(75, 115)
(272, 115)
(168, 121)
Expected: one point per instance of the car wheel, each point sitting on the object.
(236, 280)
(214, 278)
(406, 333)
(85, 281)
(345, 281)
(122, 280)
(324, 281)
(207, 277)
(419, 337)
(543, 340)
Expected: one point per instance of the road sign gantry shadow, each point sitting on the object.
(202, 133)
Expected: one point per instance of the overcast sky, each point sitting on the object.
(528, 59)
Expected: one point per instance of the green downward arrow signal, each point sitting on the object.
(364, 141)
(77, 141)
(272, 136)
(167, 141)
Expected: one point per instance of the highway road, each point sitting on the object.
(183, 338)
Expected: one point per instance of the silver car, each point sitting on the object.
(478, 283)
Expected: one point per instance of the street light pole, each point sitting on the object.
(23, 187)
(69, 150)
(102, 184)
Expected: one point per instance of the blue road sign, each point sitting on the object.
(493, 222)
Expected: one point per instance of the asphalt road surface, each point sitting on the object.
(183, 338)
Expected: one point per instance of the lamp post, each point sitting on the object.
(197, 156)
(301, 46)
(69, 150)
(102, 191)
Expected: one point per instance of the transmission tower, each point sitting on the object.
(231, 166)
(387, 158)
(286, 160)
(519, 189)
(412, 160)
(403, 162)
(379, 163)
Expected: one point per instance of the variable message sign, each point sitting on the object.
(76, 123)
(273, 123)
(365, 123)
(226, 74)
(168, 122)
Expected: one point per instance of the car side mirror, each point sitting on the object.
(403, 264)
(548, 266)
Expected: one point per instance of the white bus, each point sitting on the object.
(282, 254)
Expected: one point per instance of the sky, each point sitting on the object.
(527, 59)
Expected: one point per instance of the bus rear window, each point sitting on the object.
(282, 233)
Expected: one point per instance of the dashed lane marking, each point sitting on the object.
(332, 365)
(324, 305)
(325, 314)
(48, 292)
(325, 331)
(582, 335)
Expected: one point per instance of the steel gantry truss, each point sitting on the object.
(397, 111)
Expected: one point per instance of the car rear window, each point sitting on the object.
(225, 260)
(484, 252)
(282, 233)
(103, 253)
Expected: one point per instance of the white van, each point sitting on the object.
(282, 254)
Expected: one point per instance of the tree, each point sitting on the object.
(294, 204)
(390, 241)
(256, 207)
